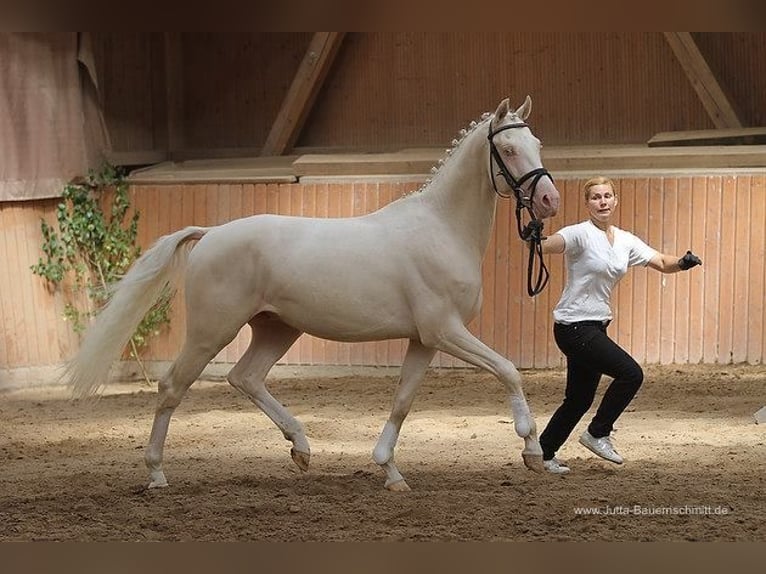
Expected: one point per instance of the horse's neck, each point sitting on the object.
(461, 191)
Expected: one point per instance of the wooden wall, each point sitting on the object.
(410, 89)
(714, 314)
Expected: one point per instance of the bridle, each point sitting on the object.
(532, 232)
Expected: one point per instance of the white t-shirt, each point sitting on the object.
(593, 268)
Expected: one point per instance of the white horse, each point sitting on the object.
(410, 270)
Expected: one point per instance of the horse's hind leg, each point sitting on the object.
(416, 361)
(171, 389)
(271, 338)
(459, 342)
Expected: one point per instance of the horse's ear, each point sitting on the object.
(502, 110)
(525, 109)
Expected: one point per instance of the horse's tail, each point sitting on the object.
(130, 299)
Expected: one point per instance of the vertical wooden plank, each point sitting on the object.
(187, 205)
(260, 203)
(654, 279)
(235, 201)
(272, 198)
(486, 325)
(199, 196)
(542, 325)
(23, 308)
(666, 318)
(555, 262)
(727, 299)
(759, 192)
(757, 243)
(741, 248)
(640, 289)
(4, 275)
(30, 251)
(211, 204)
(711, 298)
(334, 200)
(623, 298)
(285, 201)
(62, 340)
(10, 340)
(515, 336)
(699, 216)
(140, 196)
(248, 199)
(683, 241)
(223, 194)
(385, 194)
(504, 242)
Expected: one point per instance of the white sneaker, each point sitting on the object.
(555, 466)
(601, 446)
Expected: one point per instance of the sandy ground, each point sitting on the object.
(695, 464)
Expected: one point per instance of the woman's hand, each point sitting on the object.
(688, 261)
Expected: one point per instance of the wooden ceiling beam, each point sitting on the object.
(703, 80)
(302, 93)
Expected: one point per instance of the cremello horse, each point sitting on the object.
(410, 270)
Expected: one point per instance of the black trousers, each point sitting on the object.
(590, 353)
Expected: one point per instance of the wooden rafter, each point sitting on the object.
(703, 80)
(302, 93)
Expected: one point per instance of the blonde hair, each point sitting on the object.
(598, 180)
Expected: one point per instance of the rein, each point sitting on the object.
(533, 231)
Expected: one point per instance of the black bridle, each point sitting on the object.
(532, 232)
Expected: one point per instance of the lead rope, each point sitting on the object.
(533, 235)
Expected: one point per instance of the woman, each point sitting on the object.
(597, 256)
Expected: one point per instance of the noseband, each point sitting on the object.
(532, 232)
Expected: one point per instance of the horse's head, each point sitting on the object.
(516, 157)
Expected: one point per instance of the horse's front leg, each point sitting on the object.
(459, 342)
(416, 361)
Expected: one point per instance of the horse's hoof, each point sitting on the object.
(301, 459)
(399, 486)
(533, 462)
(158, 480)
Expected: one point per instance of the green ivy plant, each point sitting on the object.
(93, 248)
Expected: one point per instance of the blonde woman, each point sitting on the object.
(597, 256)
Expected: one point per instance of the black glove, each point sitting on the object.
(688, 261)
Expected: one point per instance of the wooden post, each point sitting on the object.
(703, 80)
(302, 93)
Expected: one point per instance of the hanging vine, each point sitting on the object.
(93, 247)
